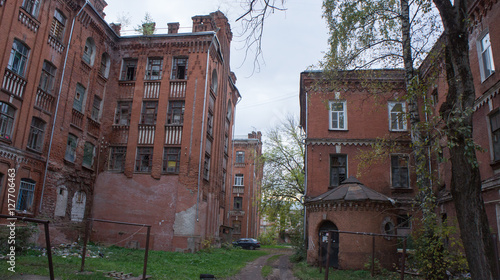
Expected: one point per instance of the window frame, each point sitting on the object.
(179, 68)
(494, 126)
(37, 134)
(105, 65)
(486, 68)
(239, 180)
(88, 154)
(58, 26)
(148, 117)
(175, 113)
(171, 154)
(95, 113)
(238, 200)
(406, 170)
(18, 59)
(26, 195)
(400, 116)
(127, 65)
(335, 182)
(79, 99)
(117, 158)
(151, 70)
(32, 9)
(240, 157)
(120, 115)
(7, 120)
(140, 159)
(89, 50)
(71, 146)
(47, 77)
(340, 114)
(206, 168)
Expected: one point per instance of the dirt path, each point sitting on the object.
(281, 267)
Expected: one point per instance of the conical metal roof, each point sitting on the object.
(351, 189)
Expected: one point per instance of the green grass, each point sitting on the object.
(161, 265)
(305, 272)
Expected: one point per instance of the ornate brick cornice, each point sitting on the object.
(334, 206)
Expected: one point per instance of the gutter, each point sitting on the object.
(57, 104)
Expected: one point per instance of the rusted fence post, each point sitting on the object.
(146, 254)
(47, 236)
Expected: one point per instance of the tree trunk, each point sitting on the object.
(457, 114)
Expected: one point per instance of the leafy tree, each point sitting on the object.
(283, 180)
(148, 25)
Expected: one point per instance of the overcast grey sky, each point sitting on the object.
(293, 41)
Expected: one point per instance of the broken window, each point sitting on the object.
(123, 111)
(117, 158)
(179, 68)
(35, 138)
(57, 28)
(129, 69)
(338, 169)
(171, 159)
(149, 111)
(70, 154)
(88, 154)
(26, 195)
(175, 114)
(400, 171)
(154, 68)
(144, 159)
(240, 156)
(238, 203)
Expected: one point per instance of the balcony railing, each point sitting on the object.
(238, 189)
(127, 90)
(77, 118)
(28, 21)
(54, 43)
(44, 100)
(93, 126)
(178, 89)
(119, 134)
(151, 90)
(146, 134)
(13, 83)
(236, 213)
(173, 134)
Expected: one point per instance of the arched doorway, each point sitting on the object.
(325, 227)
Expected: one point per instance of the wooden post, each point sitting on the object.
(85, 240)
(146, 254)
(49, 250)
(373, 256)
(321, 259)
(403, 260)
(327, 268)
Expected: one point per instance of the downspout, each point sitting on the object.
(305, 178)
(233, 119)
(57, 104)
(202, 131)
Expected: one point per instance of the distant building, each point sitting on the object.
(244, 197)
(134, 129)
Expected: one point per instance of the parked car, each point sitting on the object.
(247, 243)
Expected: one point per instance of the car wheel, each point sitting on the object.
(252, 247)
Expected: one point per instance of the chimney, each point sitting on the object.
(117, 27)
(173, 27)
(203, 23)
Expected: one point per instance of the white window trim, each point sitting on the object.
(480, 55)
(344, 103)
(239, 180)
(391, 105)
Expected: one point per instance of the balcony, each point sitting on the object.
(93, 126)
(237, 213)
(178, 89)
(151, 90)
(56, 44)
(44, 101)
(238, 189)
(119, 134)
(146, 134)
(77, 118)
(13, 83)
(28, 20)
(173, 134)
(126, 90)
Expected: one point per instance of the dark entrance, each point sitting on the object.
(323, 244)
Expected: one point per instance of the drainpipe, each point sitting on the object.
(57, 104)
(203, 131)
(305, 179)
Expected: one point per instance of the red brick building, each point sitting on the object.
(244, 197)
(342, 123)
(133, 129)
